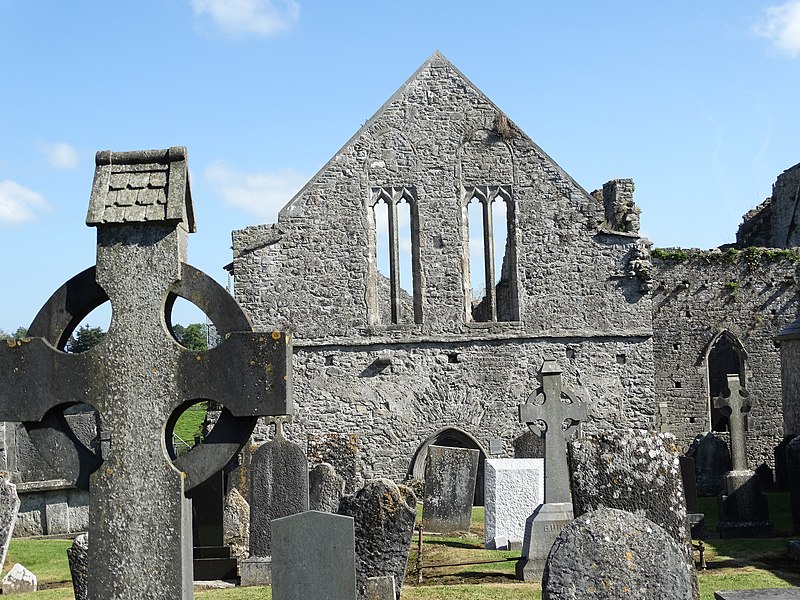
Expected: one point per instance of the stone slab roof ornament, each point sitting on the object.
(141, 186)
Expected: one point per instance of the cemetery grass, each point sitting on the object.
(732, 564)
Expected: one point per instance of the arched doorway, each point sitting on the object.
(454, 438)
(724, 355)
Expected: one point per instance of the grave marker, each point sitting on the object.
(743, 510)
(325, 488)
(139, 378)
(313, 556)
(450, 475)
(555, 414)
(384, 515)
(514, 489)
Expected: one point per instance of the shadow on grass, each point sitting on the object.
(451, 543)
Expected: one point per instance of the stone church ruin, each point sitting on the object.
(433, 265)
(406, 351)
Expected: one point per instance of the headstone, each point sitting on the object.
(78, 557)
(528, 445)
(449, 489)
(781, 468)
(763, 594)
(381, 588)
(610, 554)
(278, 488)
(514, 488)
(711, 461)
(138, 377)
(313, 556)
(212, 557)
(554, 413)
(325, 488)
(19, 580)
(793, 550)
(793, 467)
(9, 507)
(236, 524)
(636, 471)
(384, 515)
(341, 451)
(696, 518)
(743, 509)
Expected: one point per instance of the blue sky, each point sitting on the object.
(697, 102)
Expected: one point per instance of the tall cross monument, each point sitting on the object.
(743, 510)
(139, 378)
(556, 414)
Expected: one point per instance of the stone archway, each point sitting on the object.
(454, 438)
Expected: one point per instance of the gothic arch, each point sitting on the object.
(723, 354)
(452, 437)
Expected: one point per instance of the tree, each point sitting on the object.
(193, 337)
(85, 338)
(21, 332)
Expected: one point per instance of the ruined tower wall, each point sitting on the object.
(697, 295)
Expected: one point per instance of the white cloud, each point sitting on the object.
(260, 194)
(258, 17)
(60, 155)
(18, 203)
(781, 25)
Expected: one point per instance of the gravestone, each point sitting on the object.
(514, 488)
(9, 507)
(313, 556)
(449, 489)
(695, 517)
(793, 466)
(384, 515)
(139, 378)
(325, 488)
(19, 580)
(636, 471)
(341, 451)
(555, 414)
(743, 510)
(211, 556)
(78, 557)
(711, 461)
(236, 524)
(528, 445)
(609, 554)
(278, 488)
(381, 588)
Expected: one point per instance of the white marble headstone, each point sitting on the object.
(513, 488)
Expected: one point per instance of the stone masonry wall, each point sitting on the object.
(576, 295)
(698, 294)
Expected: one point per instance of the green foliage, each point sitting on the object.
(190, 426)
(21, 332)
(670, 254)
(85, 338)
(193, 337)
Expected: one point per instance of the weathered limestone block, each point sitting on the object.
(384, 515)
(514, 488)
(341, 451)
(9, 507)
(449, 488)
(610, 554)
(236, 524)
(325, 488)
(712, 460)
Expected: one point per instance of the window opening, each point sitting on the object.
(492, 280)
(726, 356)
(396, 291)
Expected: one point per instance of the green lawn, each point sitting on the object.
(732, 564)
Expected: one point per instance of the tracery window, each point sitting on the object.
(394, 295)
(491, 286)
